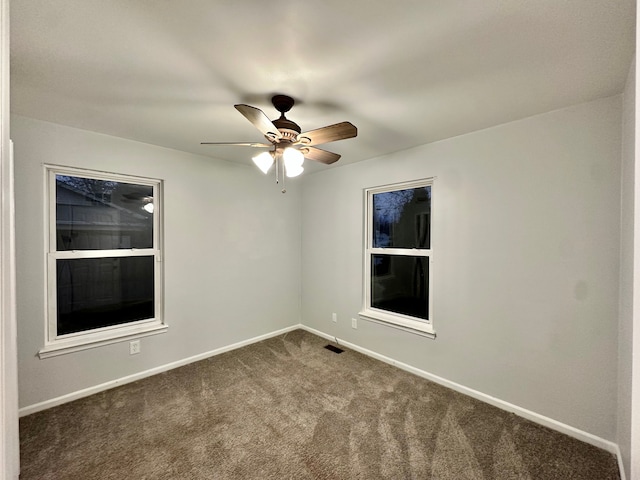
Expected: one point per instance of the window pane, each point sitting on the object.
(402, 218)
(99, 292)
(102, 214)
(400, 284)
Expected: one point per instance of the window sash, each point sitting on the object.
(52, 171)
(52, 286)
(56, 344)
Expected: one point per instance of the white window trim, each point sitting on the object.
(396, 320)
(62, 344)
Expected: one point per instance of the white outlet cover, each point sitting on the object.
(134, 347)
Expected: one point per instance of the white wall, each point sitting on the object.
(232, 257)
(526, 235)
(625, 354)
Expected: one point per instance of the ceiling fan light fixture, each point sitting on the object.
(263, 161)
(293, 160)
(294, 170)
(292, 157)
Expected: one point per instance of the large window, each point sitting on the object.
(398, 255)
(104, 269)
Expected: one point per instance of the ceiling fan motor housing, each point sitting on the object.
(286, 127)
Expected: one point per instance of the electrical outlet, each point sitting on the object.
(354, 323)
(334, 317)
(134, 347)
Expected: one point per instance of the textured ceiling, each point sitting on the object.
(405, 72)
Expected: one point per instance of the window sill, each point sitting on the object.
(400, 322)
(62, 347)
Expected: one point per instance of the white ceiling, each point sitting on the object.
(405, 73)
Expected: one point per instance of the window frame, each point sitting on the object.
(61, 344)
(404, 322)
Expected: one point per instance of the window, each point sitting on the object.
(104, 270)
(398, 256)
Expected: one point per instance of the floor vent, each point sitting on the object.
(334, 349)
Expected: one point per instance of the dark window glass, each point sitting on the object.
(102, 214)
(100, 292)
(402, 218)
(400, 284)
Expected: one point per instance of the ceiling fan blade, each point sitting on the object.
(259, 120)
(319, 155)
(339, 131)
(247, 144)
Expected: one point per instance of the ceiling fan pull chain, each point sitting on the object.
(284, 190)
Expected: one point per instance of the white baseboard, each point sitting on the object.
(496, 402)
(147, 373)
(620, 463)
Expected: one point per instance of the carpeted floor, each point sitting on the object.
(287, 408)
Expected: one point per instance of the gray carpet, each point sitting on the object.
(286, 408)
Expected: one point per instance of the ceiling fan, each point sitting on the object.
(289, 145)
